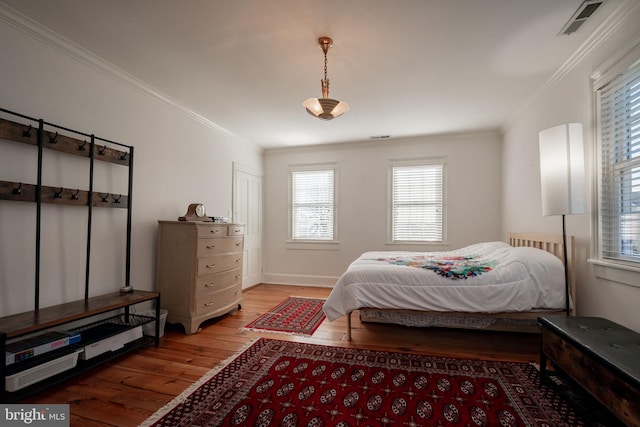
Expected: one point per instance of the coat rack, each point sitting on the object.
(85, 145)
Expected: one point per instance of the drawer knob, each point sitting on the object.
(215, 231)
(209, 285)
(237, 276)
(237, 230)
(210, 265)
(239, 244)
(238, 260)
(210, 303)
(211, 246)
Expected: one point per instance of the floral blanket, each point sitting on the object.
(451, 267)
(488, 277)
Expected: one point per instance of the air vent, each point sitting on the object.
(584, 12)
(380, 136)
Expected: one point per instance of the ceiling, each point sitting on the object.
(406, 68)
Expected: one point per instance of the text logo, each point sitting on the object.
(34, 415)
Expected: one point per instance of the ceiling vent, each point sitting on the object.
(584, 12)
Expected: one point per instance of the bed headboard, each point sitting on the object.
(551, 243)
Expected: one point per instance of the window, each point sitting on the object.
(417, 205)
(312, 203)
(618, 119)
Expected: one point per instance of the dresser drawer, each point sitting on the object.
(219, 230)
(207, 247)
(215, 300)
(235, 230)
(218, 263)
(217, 281)
(211, 230)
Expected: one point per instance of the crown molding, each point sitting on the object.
(393, 141)
(616, 60)
(65, 46)
(599, 36)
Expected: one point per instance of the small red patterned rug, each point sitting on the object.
(278, 383)
(295, 315)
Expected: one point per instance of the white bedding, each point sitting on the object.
(495, 277)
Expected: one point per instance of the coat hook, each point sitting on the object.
(81, 146)
(105, 198)
(102, 150)
(18, 190)
(123, 156)
(53, 139)
(116, 199)
(27, 132)
(58, 194)
(74, 196)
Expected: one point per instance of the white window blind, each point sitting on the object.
(619, 124)
(418, 202)
(312, 207)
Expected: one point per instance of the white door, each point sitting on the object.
(247, 209)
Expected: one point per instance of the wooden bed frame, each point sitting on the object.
(525, 321)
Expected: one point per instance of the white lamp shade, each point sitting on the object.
(562, 171)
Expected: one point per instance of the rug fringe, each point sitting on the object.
(268, 331)
(193, 387)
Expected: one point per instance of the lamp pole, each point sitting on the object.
(566, 270)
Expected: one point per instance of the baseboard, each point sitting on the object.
(300, 280)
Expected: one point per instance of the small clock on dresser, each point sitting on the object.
(195, 212)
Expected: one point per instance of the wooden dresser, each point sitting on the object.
(198, 270)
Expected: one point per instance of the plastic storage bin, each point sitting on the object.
(150, 328)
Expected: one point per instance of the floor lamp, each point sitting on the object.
(562, 179)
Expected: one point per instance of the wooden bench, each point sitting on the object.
(601, 356)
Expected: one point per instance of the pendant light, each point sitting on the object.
(325, 108)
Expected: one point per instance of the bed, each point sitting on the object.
(490, 285)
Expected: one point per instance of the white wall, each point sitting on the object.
(178, 160)
(570, 99)
(473, 193)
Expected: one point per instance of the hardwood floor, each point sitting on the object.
(130, 389)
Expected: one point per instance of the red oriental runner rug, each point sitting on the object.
(295, 315)
(278, 383)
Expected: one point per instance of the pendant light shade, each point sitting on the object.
(325, 108)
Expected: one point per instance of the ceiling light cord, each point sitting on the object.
(325, 83)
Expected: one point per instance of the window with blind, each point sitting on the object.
(618, 119)
(312, 203)
(418, 201)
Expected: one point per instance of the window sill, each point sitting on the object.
(616, 272)
(325, 245)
